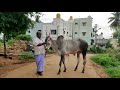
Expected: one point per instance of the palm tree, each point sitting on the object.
(115, 23)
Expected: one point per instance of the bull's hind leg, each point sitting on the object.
(84, 60)
(64, 65)
(78, 60)
(60, 63)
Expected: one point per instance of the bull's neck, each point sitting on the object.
(54, 45)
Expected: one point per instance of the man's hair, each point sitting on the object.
(38, 32)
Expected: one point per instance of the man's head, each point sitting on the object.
(38, 34)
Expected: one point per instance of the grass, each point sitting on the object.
(11, 42)
(111, 64)
(26, 56)
(1, 44)
(50, 51)
(113, 72)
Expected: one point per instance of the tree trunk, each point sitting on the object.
(4, 37)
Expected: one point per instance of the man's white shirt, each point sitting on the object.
(38, 49)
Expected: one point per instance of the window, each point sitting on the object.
(64, 32)
(84, 23)
(75, 32)
(92, 41)
(76, 23)
(67, 33)
(91, 34)
(53, 32)
(83, 33)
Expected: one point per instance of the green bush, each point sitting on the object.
(1, 41)
(108, 45)
(26, 55)
(114, 72)
(93, 49)
(114, 53)
(111, 64)
(1, 44)
(97, 50)
(24, 37)
(105, 60)
(11, 42)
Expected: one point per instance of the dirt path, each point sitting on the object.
(51, 69)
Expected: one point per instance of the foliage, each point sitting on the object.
(1, 41)
(115, 34)
(1, 44)
(105, 60)
(26, 55)
(115, 24)
(114, 53)
(24, 37)
(108, 45)
(11, 42)
(114, 20)
(114, 72)
(109, 62)
(15, 23)
(97, 50)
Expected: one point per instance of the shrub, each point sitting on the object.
(11, 42)
(111, 64)
(1, 44)
(114, 53)
(24, 37)
(114, 72)
(97, 50)
(105, 60)
(108, 45)
(93, 49)
(1, 41)
(26, 55)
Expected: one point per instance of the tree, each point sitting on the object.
(115, 34)
(15, 23)
(115, 23)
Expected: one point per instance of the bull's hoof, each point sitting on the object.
(58, 73)
(83, 71)
(75, 69)
(64, 70)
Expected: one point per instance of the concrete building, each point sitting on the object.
(71, 29)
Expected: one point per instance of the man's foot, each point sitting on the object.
(40, 73)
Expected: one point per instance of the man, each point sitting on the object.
(39, 53)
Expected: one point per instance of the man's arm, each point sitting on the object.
(40, 44)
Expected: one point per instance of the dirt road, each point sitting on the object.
(51, 69)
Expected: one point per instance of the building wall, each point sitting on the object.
(38, 26)
(79, 28)
(69, 29)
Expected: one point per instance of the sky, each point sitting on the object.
(100, 18)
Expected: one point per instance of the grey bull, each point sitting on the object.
(66, 47)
